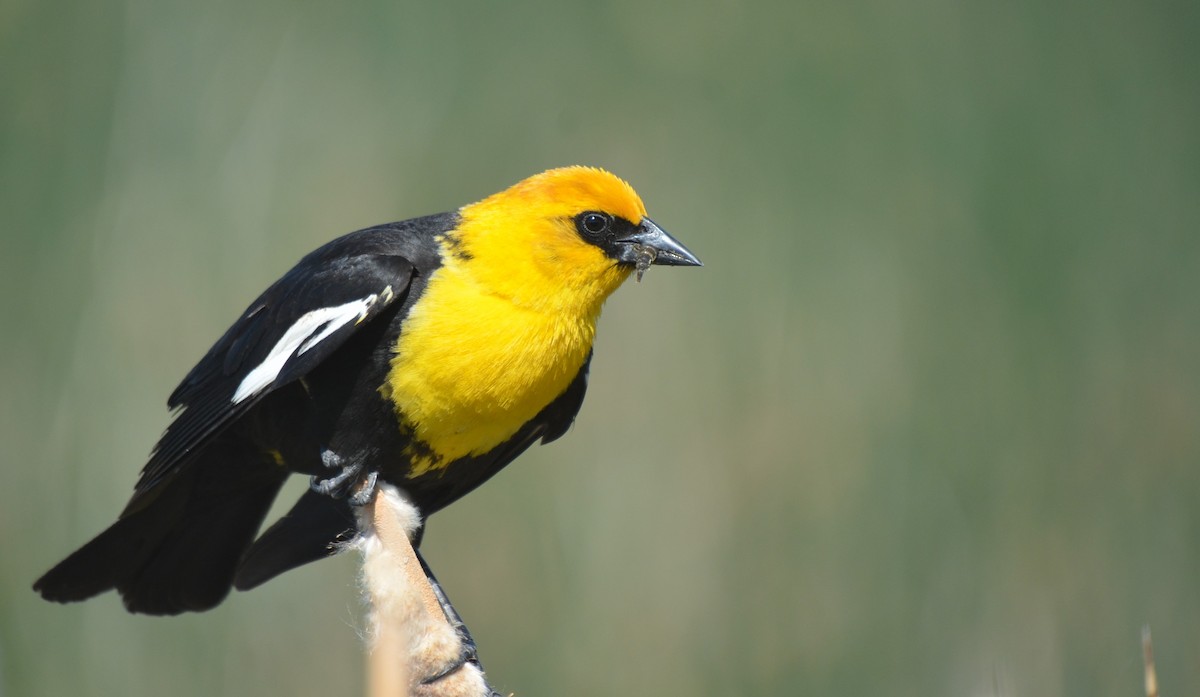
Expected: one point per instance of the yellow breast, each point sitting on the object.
(471, 366)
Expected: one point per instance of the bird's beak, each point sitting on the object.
(650, 243)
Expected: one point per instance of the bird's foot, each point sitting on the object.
(468, 654)
(352, 482)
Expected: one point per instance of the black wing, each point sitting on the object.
(290, 329)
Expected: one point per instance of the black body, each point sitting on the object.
(188, 534)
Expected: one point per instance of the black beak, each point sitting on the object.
(649, 240)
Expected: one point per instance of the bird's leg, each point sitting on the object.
(470, 652)
(350, 482)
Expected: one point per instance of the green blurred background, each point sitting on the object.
(925, 423)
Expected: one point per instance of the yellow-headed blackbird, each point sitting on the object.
(427, 353)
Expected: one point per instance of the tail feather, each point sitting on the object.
(102, 563)
(314, 529)
(177, 550)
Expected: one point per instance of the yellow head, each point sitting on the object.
(507, 322)
(562, 240)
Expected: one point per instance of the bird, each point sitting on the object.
(427, 354)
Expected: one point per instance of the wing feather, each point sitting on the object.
(288, 331)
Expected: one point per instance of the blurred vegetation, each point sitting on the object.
(926, 423)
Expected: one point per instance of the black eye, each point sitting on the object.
(593, 223)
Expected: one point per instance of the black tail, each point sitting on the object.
(176, 548)
(317, 527)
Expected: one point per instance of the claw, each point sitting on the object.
(468, 654)
(350, 483)
(365, 491)
(334, 486)
(337, 485)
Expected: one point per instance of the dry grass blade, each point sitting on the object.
(1148, 662)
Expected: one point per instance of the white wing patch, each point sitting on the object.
(308, 331)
